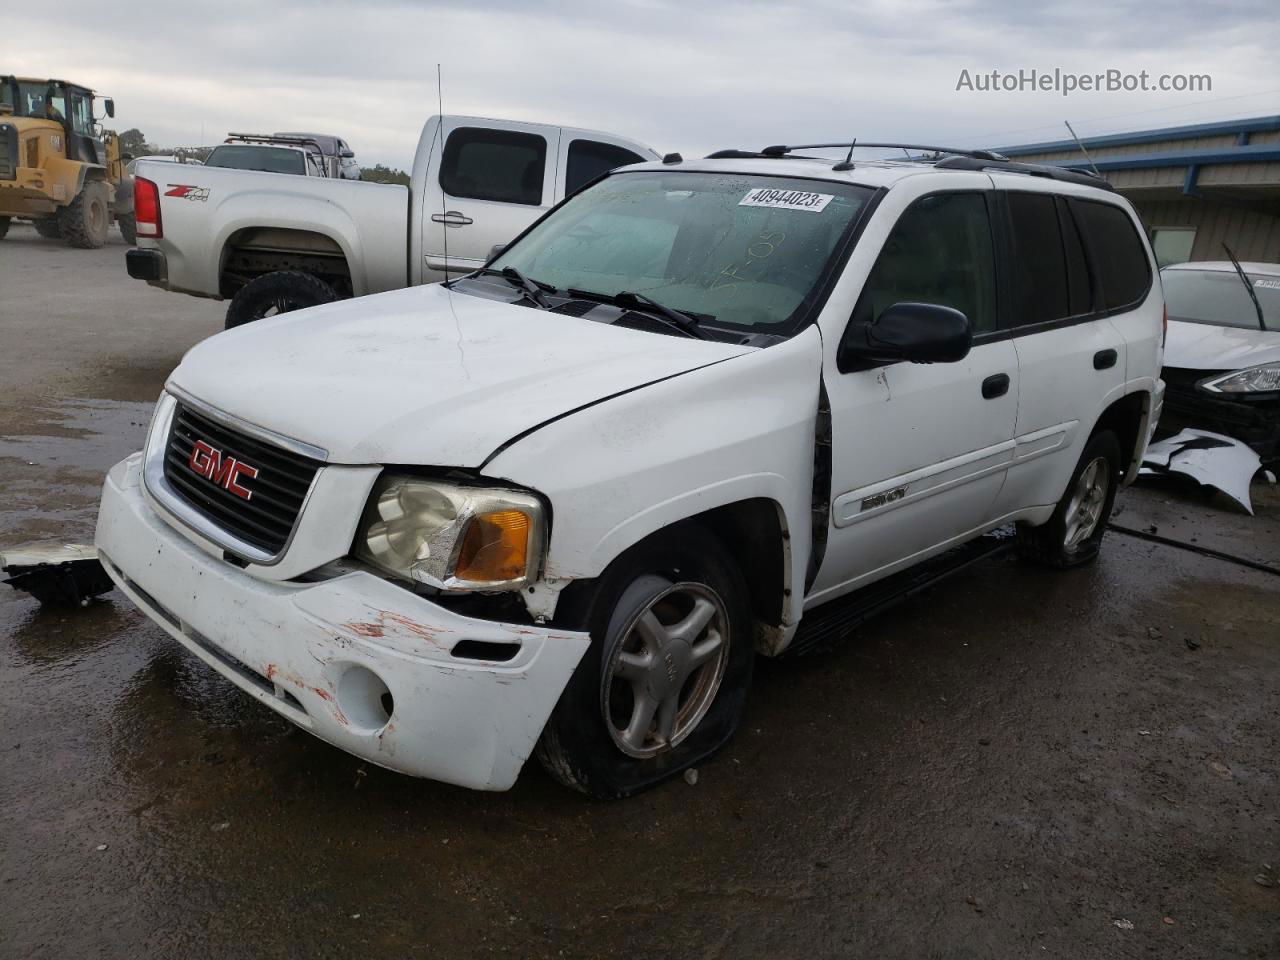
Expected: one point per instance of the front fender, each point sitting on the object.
(635, 464)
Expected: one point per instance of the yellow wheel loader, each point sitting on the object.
(58, 167)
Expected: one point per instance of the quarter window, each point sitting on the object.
(590, 158)
(1118, 253)
(940, 252)
(81, 115)
(504, 166)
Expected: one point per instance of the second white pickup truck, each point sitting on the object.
(272, 243)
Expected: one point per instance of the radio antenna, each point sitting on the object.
(1083, 150)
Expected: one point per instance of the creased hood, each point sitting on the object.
(1206, 346)
(425, 376)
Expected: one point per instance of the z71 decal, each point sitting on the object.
(185, 192)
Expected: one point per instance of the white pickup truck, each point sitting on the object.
(271, 243)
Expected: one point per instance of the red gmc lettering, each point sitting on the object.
(209, 463)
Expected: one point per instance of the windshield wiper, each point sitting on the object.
(533, 289)
(674, 318)
(1262, 323)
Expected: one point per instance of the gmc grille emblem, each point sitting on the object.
(210, 463)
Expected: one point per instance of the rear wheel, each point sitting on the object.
(274, 293)
(4, 227)
(1073, 535)
(128, 228)
(665, 679)
(85, 219)
(48, 228)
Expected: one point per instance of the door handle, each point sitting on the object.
(451, 218)
(1104, 359)
(996, 385)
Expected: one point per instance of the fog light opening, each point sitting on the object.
(364, 699)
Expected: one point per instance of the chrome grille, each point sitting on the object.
(276, 492)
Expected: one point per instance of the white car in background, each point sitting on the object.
(1222, 355)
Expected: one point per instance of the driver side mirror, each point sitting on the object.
(109, 105)
(914, 332)
(347, 153)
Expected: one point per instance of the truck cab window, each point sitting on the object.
(1040, 277)
(590, 158)
(499, 165)
(940, 251)
(81, 115)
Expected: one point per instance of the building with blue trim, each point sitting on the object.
(1196, 186)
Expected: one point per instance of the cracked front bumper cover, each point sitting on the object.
(294, 646)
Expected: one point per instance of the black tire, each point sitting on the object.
(274, 293)
(84, 221)
(1052, 543)
(4, 227)
(578, 745)
(128, 228)
(48, 228)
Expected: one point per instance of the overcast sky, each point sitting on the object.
(687, 75)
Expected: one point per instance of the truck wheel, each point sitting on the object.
(663, 684)
(83, 222)
(4, 227)
(275, 293)
(48, 228)
(1073, 534)
(128, 228)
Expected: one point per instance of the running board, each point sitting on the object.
(831, 623)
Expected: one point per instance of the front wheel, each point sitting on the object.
(83, 222)
(4, 227)
(275, 293)
(1073, 534)
(663, 684)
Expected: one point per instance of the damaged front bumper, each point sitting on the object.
(1251, 417)
(356, 660)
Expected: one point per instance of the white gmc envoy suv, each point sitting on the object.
(561, 503)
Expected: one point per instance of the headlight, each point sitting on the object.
(1260, 379)
(453, 537)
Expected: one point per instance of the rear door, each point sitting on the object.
(1071, 357)
(492, 179)
(586, 155)
(919, 451)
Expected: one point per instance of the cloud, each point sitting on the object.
(678, 75)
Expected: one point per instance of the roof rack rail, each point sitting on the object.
(780, 150)
(1031, 169)
(264, 138)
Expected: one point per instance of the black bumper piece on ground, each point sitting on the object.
(146, 265)
(1251, 417)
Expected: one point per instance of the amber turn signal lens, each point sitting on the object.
(494, 548)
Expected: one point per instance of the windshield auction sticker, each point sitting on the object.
(786, 199)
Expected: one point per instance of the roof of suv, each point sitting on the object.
(869, 173)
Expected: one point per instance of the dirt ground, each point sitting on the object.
(1016, 764)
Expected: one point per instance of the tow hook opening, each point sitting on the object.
(364, 699)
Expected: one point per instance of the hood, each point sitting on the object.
(425, 376)
(1206, 346)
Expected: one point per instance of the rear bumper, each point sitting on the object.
(148, 265)
(324, 654)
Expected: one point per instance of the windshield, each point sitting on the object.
(266, 159)
(737, 250)
(35, 99)
(1218, 297)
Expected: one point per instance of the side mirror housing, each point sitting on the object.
(914, 332)
(109, 105)
(495, 251)
(348, 153)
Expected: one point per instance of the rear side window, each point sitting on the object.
(1040, 278)
(500, 165)
(940, 251)
(1118, 253)
(590, 158)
